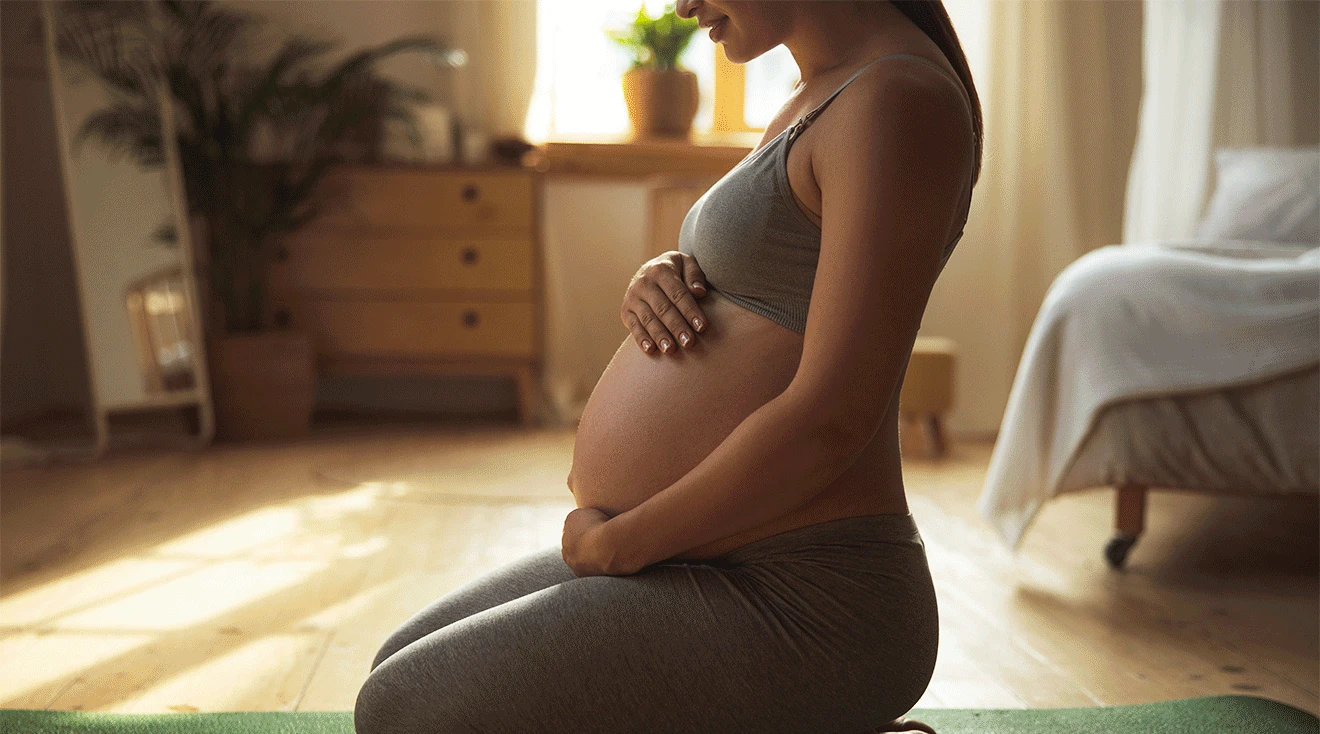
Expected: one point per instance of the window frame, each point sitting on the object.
(730, 113)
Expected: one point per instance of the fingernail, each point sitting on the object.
(697, 323)
(684, 339)
(646, 345)
(664, 345)
(698, 284)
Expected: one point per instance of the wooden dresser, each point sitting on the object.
(422, 270)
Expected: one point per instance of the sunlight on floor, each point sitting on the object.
(66, 631)
(192, 599)
(241, 534)
(266, 578)
(337, 614)
(86, 588)
(50, 657)
(260, 667)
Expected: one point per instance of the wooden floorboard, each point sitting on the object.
(266, 577)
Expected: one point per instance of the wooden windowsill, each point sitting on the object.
(704, 154)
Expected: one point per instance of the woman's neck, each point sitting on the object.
(827, 36)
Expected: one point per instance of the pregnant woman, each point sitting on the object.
(742, 558)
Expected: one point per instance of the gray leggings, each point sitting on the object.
(827, 628)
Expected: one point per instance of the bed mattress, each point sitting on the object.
(1261, 438)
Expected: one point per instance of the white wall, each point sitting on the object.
(116, 208)
(594, 234)
(499, 37)
(970, 304)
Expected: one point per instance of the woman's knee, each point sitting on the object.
(396, 699)
(372, 710)
(409, 632)
(397, 640)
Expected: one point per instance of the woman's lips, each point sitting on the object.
(717, 30)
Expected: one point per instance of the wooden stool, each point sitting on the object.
(928, 391)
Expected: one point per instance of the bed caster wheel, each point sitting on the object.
(1117, 549)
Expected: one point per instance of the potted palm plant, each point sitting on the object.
(255, 140)
(662, 96)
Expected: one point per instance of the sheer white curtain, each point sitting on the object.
(1236, 73)
(971, 20)
(1175, 133)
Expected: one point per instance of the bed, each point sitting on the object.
(1255, 439)
(1190, 365)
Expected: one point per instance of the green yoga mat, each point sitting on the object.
(1209, 715)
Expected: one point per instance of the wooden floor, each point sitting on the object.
(265, 577)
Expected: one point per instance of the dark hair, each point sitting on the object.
(933, 20)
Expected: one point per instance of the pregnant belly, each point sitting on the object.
(651, 418)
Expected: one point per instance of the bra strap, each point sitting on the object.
(807, 119)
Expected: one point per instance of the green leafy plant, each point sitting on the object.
(257, 131)
(656, 43)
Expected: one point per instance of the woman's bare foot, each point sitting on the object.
(904, 725)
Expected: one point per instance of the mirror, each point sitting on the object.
(127, 216)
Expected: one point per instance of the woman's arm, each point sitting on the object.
(888, 200)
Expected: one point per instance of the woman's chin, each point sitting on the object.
(732, 53)
(738, 52)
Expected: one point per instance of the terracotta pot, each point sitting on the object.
(263, 385)
(661, 102)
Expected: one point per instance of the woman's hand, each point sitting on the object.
(658, 306)
(585, 548)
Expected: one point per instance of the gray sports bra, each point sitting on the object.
(751, 239)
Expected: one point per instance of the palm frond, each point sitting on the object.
(126, 128)
(110, 39)
(262, 92)
(363, 60)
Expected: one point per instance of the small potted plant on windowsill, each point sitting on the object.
(256, 139)
(661, 95)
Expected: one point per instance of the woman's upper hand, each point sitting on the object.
(659, 308)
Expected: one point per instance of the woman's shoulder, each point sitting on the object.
(904, 137)
(902, 102)
(898, 84)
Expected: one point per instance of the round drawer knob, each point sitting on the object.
(470, 256)
(471, 319)
(470, 193)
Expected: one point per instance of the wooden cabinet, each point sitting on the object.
(433, 270)
(669, 198)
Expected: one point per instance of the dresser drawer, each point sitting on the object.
(396, 200)
(420, 329)
(337, 262)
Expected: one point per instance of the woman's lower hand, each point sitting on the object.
(659, 308)
(585, 548)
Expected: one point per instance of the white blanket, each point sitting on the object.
(1128, 321)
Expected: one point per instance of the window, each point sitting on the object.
(747, 96)
(578, 93)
